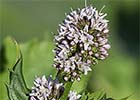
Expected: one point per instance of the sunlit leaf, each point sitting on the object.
(17, 88)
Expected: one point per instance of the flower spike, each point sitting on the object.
(81, 41)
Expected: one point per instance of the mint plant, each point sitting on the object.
(82, 41)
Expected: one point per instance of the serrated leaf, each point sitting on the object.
(17, 88)
(99, 95)
(110, 99)
(84, 96)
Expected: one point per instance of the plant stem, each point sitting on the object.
(66, 92)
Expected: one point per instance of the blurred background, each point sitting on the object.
(32, 22)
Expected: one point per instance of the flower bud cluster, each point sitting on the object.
(73, 96)
(81, 41)
(46, 89)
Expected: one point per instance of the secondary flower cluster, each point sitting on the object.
(81, 41)
(46, 89)
(49, 89)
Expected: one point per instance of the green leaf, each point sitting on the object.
(125, 98)
(38, 59)
(9, 55)
(110, 99)
(99, 95)
(17, 88)
(84, 96)
(82, 84)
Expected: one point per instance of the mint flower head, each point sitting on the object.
(81, 41)
(46, 89)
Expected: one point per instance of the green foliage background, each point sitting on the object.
(31, 24)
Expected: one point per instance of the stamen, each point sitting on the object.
(102, 9)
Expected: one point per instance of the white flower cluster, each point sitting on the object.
(73, 96)
(46, 89)
(81, 41)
